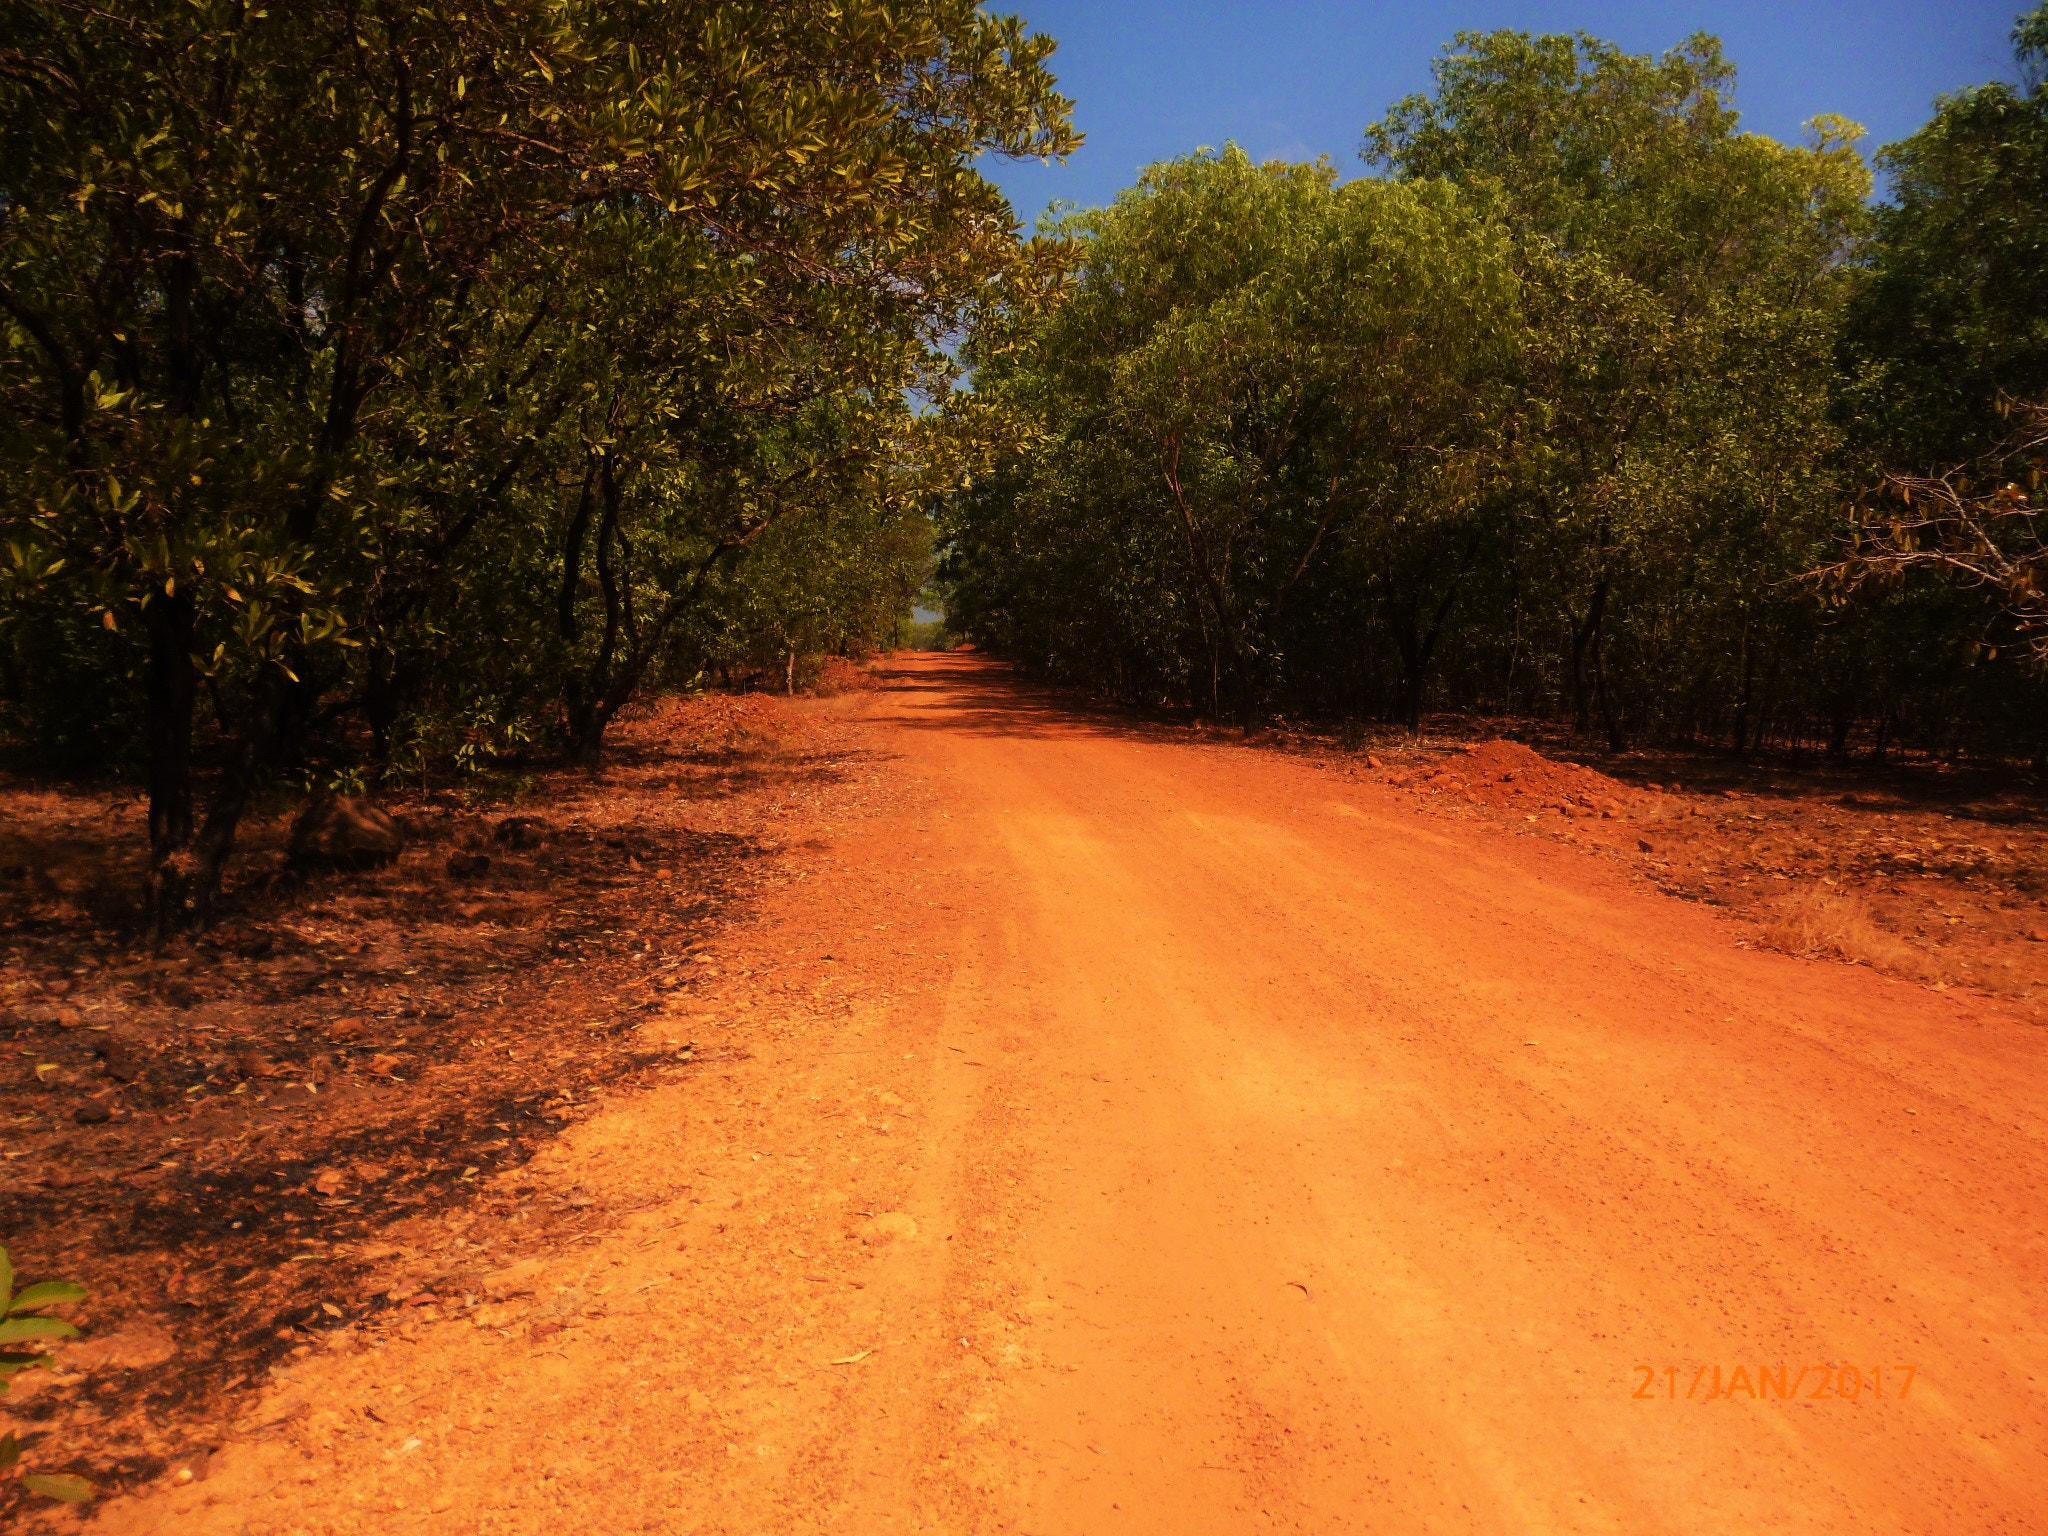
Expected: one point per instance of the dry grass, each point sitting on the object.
(1837, 925)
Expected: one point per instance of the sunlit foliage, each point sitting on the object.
(1554, 415)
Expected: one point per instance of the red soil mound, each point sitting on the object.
(1507, 773)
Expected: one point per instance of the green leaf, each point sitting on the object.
(67, 1487)
(48, 1294)
(6, 1280)
(35, 1328)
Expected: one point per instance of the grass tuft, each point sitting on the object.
(1836, 925)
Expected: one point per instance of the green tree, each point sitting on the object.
(1666, 256)
(1955, 317)
(1943, 376)
(277, 286)
(1255, 359)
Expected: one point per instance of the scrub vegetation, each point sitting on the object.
(1587, 406)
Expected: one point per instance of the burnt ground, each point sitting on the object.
(304, 1130)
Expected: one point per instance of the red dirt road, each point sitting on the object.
(1199, 1143)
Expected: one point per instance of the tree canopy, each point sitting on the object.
(431, 362)
(1555, 413)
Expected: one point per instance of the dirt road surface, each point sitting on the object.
(1200, 1143)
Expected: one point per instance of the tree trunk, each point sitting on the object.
(187, 869)
(586, 741)
(1418, 650)
(389, 687)
(1408, 686)
(1767, 705)
(1514, 632)
(1247, 686)
(585, 692)
(1743, 705)
(1586, 635)
(1616, 742)
(572, 557)
(280, 702)
(1838, 736)
(173, 684)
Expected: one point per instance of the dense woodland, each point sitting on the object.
(384, 390)
(389, 392)
(1586, 405)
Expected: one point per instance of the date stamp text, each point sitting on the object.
(1773, 1383)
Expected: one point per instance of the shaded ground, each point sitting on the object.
(307, 1128)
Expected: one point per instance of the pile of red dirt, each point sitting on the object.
(1507, 773)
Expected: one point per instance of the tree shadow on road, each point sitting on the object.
(979, 696)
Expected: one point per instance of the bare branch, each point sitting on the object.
(1976, 524)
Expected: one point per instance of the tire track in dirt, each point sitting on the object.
(1275, 1157)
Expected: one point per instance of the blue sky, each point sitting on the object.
(1301, 78)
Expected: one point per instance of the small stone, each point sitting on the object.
(345, 833)
(133, 1349)
(123, 1062)
(518, 1279)
(518, 832)
(1373, 762)
(888, 1227)
(92, 1114)
(1646, 845)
